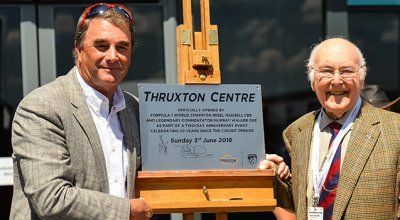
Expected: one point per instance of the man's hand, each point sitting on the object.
(273, 161)
(140, 210)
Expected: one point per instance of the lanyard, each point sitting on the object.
(319, 174)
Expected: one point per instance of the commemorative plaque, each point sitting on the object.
(201, 127)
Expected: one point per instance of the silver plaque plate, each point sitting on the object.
(200, 127)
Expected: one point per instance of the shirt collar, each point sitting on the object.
(99, 102)
(325, 120)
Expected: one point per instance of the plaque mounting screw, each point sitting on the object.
(205, 192)
(202, 76)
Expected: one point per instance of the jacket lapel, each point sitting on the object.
(304, 137)
(361, 143)
(128, 134)
(129, 125)
(83, 116)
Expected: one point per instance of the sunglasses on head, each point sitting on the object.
(100, 8)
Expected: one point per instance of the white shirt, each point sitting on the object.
(110, 134)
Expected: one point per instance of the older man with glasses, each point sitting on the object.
(76, 146)
(345, 156)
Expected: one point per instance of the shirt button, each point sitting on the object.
(113, 150)
(115, 180)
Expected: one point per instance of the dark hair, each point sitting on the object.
(109, 15)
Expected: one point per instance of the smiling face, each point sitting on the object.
(105, 56)
(336, 95)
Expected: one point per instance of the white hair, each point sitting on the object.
(311, 61)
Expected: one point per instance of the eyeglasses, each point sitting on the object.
(346, 73)
(100, 8)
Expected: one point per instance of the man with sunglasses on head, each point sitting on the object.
(76, 146)
(345, 156)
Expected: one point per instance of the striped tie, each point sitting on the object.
(328, 192)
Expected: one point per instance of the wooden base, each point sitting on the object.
(207, 191)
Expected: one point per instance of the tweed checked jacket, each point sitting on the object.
(59, 166)
(369, 179)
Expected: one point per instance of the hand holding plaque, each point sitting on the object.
(273, 161)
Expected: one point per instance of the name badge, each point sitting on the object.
(315, 213)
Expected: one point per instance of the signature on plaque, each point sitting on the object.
(187, 149)
(163, 146)
(196, 151)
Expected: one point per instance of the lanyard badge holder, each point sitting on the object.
(314, 212)
(319, 174)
